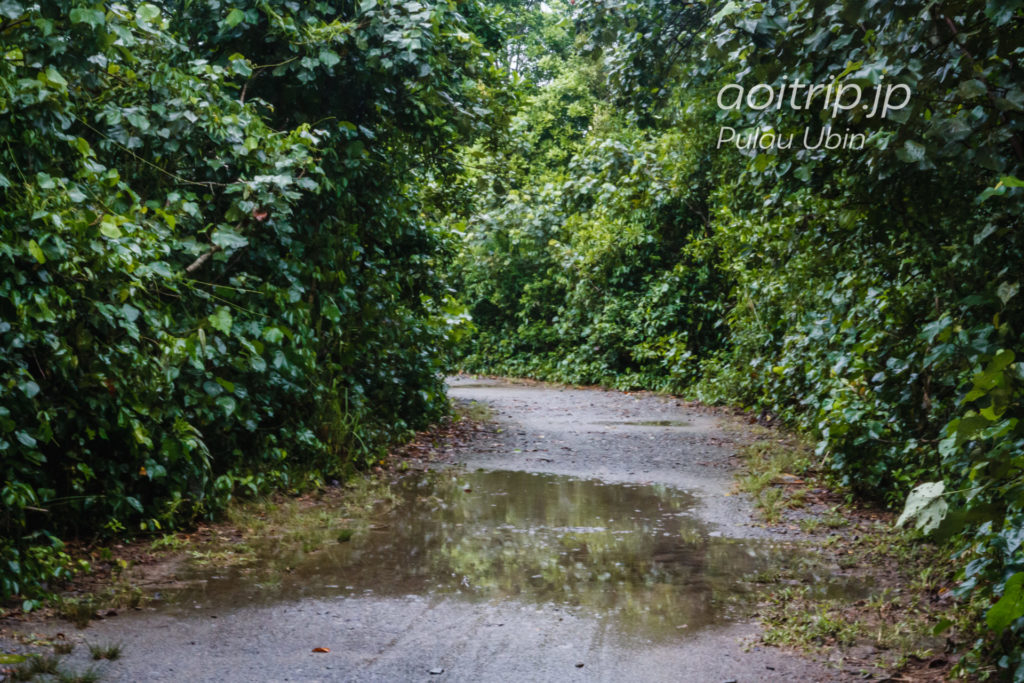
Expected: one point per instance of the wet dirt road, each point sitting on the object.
(590, 537)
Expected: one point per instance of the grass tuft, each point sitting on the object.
(110, 652)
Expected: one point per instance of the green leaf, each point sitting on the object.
(942, 626)
(25, 439)
(30, 388)
(273, 334)
(142, 436)
(228, 404)
(221, 320)
(926, 504)
(226, 238)
(729, 9)
(234, 18)
(109, 229)
(1010, 607)
(328, 58)
(1007, 290)
(912, 151)
(93, 17)
(53, 77)
(147, 13)
(12, 9)
(36, 251)
(972, 88)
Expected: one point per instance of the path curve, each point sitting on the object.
(584, 433)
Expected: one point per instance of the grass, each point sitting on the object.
(277, 530)
(790, 623)
(810, 525)
(82, 609)
(87, 676)
(109, 652)
(79, 611)
(310, 525)
(775, 463)
(835, 519)
(285, 526)
(49, 667)
(171, 542)
(35, 666)
(474, 410)
(907, 580)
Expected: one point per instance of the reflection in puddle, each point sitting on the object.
(632, 552)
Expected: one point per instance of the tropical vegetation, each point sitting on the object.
(243, 242)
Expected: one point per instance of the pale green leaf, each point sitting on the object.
(36, 251)
(920, 499)
(147, 13)
(221, 320)
(234, 18)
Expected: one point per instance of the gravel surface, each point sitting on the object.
(431, 636)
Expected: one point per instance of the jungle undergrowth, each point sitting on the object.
(909, 619)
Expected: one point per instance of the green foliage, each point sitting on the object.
(216, 272)
(586, 257)
(870, 297)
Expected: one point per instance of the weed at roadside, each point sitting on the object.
(88, 676)
(473, 410)
(109, 652)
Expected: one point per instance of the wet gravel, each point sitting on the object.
(412, 632)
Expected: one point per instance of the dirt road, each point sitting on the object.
(590, 537)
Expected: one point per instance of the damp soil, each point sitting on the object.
(585, 535)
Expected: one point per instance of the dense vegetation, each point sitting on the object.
(868, 294)
(238, 241)
(216, 272)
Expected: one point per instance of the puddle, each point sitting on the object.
(648, 423)
(634, 553)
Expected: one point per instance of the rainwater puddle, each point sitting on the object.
(635, 554)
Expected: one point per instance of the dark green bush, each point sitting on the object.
(215, 273)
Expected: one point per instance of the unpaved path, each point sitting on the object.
(471, 597)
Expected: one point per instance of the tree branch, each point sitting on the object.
(198, 263)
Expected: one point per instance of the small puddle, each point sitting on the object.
(635, 553)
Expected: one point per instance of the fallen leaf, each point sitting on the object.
(321, 649)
